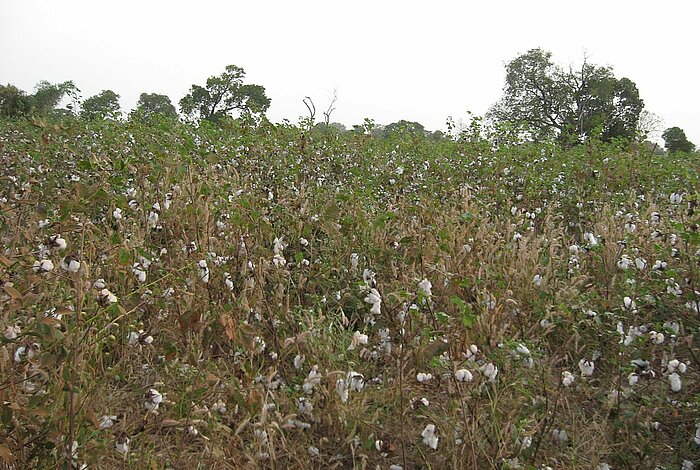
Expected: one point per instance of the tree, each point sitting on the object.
(223, 95)
(569, 105)
(47, 96)
(150, 104)
(14, 102)
(403, 127)
(104, 105)
(676, 141)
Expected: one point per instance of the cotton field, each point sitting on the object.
(271, 297)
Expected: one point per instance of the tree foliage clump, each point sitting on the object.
(224, 95)
(15, 103)
(104, 105)
(152, 104)
(676, 141)
(567, 105)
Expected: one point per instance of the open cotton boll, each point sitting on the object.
(429, 437)
(567, 378)
(358, 339)
(463, 375)
(70, 264)
(423, 377)
(122, 446)
(586, 367)
(313, 379)
(57, 242)
(425, 288)
(139, 272)
(43, 266)
(490, 371)
(675, 381)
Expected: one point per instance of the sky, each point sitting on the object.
(386, 60)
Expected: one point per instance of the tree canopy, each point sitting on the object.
(569, 105)
(47, 96)
(403, 127)
(104, 105)
(224, 95)
(676, 141)
(14, 102)
(151, 104)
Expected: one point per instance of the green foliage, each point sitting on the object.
(104, 105)
(151, 104)
(405, 128)
(224, 95)
(567, 105)
(14, 102)
(47, 96)
(676, 141)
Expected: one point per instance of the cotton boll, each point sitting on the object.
(675, 381)
(425, 288)
(12, 332)
(423, 377)
(429, 437)
(567, 378)
(559, 436)
(463, 375)
(298, 361)
(122, 446)
(43, 266)
(139, 272)
(341, 388)
(633, 379)
(586, 367)
(70, 264)
(358, 339)
(490, 371)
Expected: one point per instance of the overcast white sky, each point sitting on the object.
(388, 60)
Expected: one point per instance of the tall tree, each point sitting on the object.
(676, 141)
(403, 127)
(224, 95)
(569, 105)
(104, 105)
(47, 96)
(151, 104)
(14, 102)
